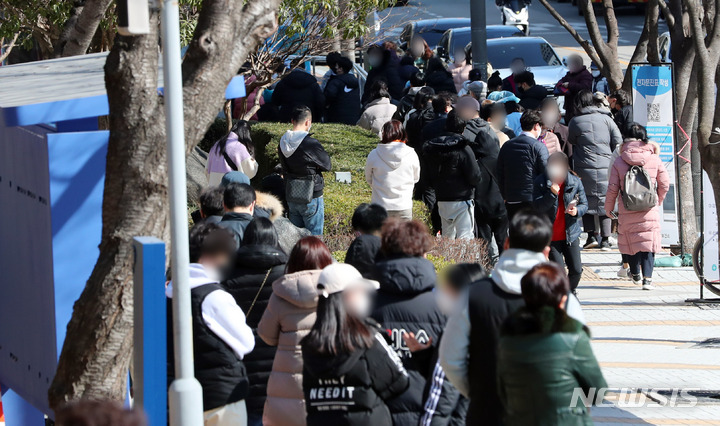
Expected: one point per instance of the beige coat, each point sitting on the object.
(288, 318)
(376, 114)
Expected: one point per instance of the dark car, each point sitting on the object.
(431, 30)
(459, 37)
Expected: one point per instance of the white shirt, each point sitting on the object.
(220, 312)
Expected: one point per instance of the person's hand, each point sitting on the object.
(572, 211)
(555, 188)
(566, 84)
(413, 344)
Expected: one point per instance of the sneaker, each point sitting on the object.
(647, 284)
(590, 243)
(636, 279)
(605, 245)
(624, 273)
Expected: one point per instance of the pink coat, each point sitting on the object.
(637, 231)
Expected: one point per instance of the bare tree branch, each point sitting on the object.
(669, 17)
(585, 44)
(78, 37)
(8, 47)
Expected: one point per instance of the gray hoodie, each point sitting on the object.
(290, 141)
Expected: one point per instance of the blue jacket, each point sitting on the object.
(520, 161)
(546, 202)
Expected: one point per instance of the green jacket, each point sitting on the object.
(542, 358)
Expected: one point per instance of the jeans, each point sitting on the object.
(513, 208)
(644, 261)
(495, 227)
(565, 254)
(589, 225)
(458, 219)
(310, 216)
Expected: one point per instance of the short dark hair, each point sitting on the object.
(300, 113)
(308, 254)
(621, 97)
(405, 238)
(423, 96)
(461, 275)
(442, 101)
(637, 131)
(345, 63)
(454, 124)
(210, 239)
(333, 59)
(369, 218)
(584, 99)
(545, 285)
(417, 79)
(261, 232)
(89, 412)
(512, 106)
(238, 195)
(530, 230)
(392, 131)
(525, 77)
(529, 119)
(211, 201)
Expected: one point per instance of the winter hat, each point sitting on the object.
(478, 88)
(338, 277)
(234, 177)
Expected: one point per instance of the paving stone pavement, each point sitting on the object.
(648, 341)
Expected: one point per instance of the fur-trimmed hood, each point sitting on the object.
(269, 203)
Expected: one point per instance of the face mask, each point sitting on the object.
(360, 306)
(596, 73)
(459, 57)
(445, 302)
(550, 118)
(556, 173)
(374, 60)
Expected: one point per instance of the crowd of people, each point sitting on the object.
(286, 335)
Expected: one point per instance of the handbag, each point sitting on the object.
(300, 190)
(560, 90)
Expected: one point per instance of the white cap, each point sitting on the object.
(339, 277)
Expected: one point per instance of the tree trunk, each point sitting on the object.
(8, 47)
(98, 346)
(77, 38)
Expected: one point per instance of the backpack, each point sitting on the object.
(640, 193)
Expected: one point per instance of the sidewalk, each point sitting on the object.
(651, 339)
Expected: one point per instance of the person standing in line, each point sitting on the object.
(460, 67)
(221, 337)
(405, 303)
(239, 202)
(531, 95)
(550, 114)
(468, 355)
(509, 83)
(384, 66)
(259, 262)
(544, 356)
(594, 136)
(474, 75)
(297, 89)
(494, 113)
(288, 317)
(638, 231)
(560, 195)
(392, 170)
(349, 371)
(303, 160)
(520, 161)
(367, 222)
(407, 103)
(421, 114)
(453, 173)
(211, 205)
(379, 111)
(438, 77)
(342, 94)
(600, 83)
(622, 110)
(577, 78)
(234, 152)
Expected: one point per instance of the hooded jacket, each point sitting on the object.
(469, 354)
(342, 97)
(532, 97)
(391, 170)
(269, 206)
(416, 122)
(594, 136)
(543, 357)
(256, 267)
(547, 203)
(453, 170)
(520, 161)
(489, 203)
(296, 89)
(288, 318)
(638, 231)
(302, 155)
(407, 103)
(376, 114)
(351, 389)
(406, 302)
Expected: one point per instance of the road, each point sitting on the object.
(542, 24)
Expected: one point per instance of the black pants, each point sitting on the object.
(487, 228)
(513, 208)
(564, 254)
(644, 261)
(589, 225)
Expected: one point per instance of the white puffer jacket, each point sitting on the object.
(392, 169)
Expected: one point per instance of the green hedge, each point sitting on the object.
(348, 147)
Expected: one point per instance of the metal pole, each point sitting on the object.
(478, 22)
(185, 393)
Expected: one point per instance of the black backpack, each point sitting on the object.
(640, 193)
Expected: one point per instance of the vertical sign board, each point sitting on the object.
(653, 107)
(710, 233)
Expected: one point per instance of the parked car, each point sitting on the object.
(431, 30)
(460, 37)
(539, 56)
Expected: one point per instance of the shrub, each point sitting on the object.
(461, 251)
